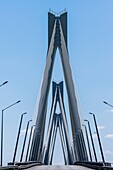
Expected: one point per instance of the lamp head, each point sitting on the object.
(29, 120)
(24, 113)
(91, 113)
(105, 102)
(86, 120)
(18, 101)
(5, 82)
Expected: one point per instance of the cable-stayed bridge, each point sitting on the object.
(40, 154)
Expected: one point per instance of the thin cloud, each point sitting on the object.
(101, 127)
(9, 154)
(22, 132)
(109, 152)
(94, 136)
(109, 136)
(110, 110)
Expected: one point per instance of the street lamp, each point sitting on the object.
(91, 139)
(102, 154)
(29, 142)
(3, 83)
(107, 104)
(24, 140)
(88, 142)
(2, 129)
(15, 151)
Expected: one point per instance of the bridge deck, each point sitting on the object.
(59, 167)
(39, 166)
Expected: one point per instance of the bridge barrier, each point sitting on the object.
(21, 165)
(95, 165)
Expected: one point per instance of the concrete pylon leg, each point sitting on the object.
(62, 139)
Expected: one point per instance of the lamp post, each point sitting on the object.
(15, 151)
(2, 128)
(107, 104)
(91, 139)
(3, 83)
(102, 154)
(24, 140)
(88, 142)
(29, 142)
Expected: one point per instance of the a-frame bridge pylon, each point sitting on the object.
(57, 38)
(61, 123)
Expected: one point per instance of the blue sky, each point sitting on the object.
(23, 47)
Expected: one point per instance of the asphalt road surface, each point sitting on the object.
(59, 167)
